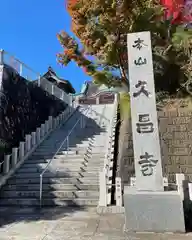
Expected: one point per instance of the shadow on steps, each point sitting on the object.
(20, 196)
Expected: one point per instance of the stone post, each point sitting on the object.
(21, 150)
(14, 156)
(1, 56)
(180, 178)
(6, 164)
(33, 138)
(142, 202)
(102, 189)
(38, 134)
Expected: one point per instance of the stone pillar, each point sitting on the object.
(102, 189)
(14, 156)
(50, 122)
(21, 150)
(180, 178)
(1, 56)
(28, 142)
(38, 135)
(33, 134)
(6, 164)
(118, 194)
(147, 206)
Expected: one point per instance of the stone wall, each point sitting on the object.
(175, 127)
(23, 107)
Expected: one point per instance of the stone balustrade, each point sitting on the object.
(19, 154)
(105, 176)
(29, 74)
(55, 91)
(182, 185)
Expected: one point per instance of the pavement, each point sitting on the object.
(71, 224)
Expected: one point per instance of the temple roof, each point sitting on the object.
(65, 85)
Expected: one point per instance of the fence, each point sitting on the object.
(29, 74)
(105, 175)
(14, 160)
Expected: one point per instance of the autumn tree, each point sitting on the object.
(102, 27)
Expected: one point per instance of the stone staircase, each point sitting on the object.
(72, 178)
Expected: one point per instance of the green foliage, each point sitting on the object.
(125, 108)
(102, 28)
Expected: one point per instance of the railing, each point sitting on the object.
(29, 74)
(181, 185)
(81, 120)
(14, 160)
(104, 174)
(109, 161)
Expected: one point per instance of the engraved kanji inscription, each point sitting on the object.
(140, 61)
(139, 43)
(142, 89)
(147, 164)
(144, 125)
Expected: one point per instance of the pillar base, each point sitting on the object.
(153, 211)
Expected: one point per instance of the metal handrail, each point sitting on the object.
(50, 161)
(42, 82)
(19, 61)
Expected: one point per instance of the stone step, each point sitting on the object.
(80, 145)
(92, 162)
(76, 150)
(61, 161)
(80, 148)
(64, 156)
(69, 156)
(63, 167)
(88, 155)
(92, 167)
(58, 135)
(50, 187)
(64, 162)
(56, 174)
(98, 151)
(59, 154)
(39, 166)
(74, 158)
(95, 160)
(43, 162)
(101, 134)
(49, 194)
(99, 144)
(80, 138)
(93, 181)
(52, 147)
(24, 202)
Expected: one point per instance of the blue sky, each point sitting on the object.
(28, 31)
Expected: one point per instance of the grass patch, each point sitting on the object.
(125, 110)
